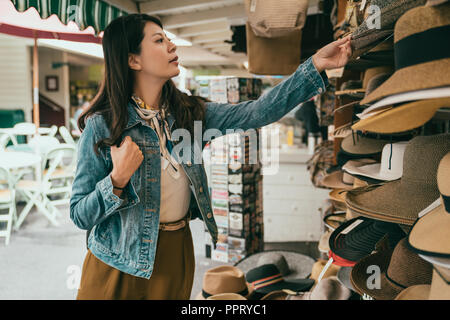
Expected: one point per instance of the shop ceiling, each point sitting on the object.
(205, 23)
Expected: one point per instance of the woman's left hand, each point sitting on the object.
(333, 55)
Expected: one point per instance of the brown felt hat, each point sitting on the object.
(421, 60)
(401, 200)
(430, 233)
(400, 268)
(224, 279)
(412, 115)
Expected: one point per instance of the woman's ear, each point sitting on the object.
(134, 62)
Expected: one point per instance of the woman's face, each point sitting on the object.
(158, 57)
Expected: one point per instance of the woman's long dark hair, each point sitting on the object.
(122, 37)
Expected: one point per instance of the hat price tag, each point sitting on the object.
(352, 226)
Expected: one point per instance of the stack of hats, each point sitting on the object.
(386, 227)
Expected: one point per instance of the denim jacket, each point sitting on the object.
(125, 229)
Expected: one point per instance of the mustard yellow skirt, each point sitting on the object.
(172, 277)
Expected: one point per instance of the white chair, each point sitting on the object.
(42, 144)
(65, 134)
(53, 131)
(5, 138)
(27, 128)
(57, 179)
(7, 202)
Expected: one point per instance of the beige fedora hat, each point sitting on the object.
(430, 233)
(401, 200)
(421, 59)
(224, 279)
(356, 144)
(412, 115)
(226, 296)
(439, 289)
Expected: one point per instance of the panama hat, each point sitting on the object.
(356, 144)
(429, 234)
(400, 268)
(267, 278)
(420, 54)
(224, 279)
(292, 265)
(357, 238)
(401, 200)
(390, 168)
(412, 115)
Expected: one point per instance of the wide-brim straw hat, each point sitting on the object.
(421, 59)
(355, 144)
(400, 268)
(412, 115)
(429, 235)
(292, 265)
(400, 201)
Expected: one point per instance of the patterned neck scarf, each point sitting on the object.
(158, 122)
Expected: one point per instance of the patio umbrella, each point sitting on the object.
(71, 20)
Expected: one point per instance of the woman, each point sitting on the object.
(129, 189)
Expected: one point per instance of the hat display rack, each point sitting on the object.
(386, 164)
(391, 152)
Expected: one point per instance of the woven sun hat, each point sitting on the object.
(224, 279)
(367, 36)
(292, 265)
(390, 168)
(356, 144)
(339, 179)
(403, 118)
(430, 233)
(422, 52)
(357, 238)
(267, 278)
(399, 269)
(401, 200)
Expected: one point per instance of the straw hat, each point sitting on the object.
(333, 220)
(340, 179)
(224, 279)
(421, 60)
(429, 234)
(359, 145)
(412, 115)
(400, 269)
(365, 37)
(390, 168)
(401, 200)
(292, 265)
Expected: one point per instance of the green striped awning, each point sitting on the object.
(84, 13)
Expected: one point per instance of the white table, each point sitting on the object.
(18, 132)
(12, 161)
